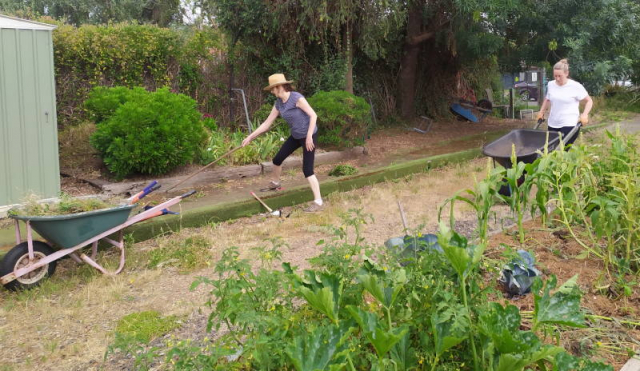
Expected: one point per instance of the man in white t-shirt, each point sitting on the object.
(564, 95)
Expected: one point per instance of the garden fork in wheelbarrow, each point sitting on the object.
(29, 262)
(528, 144)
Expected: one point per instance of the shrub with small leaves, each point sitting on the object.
(343, 118)
(150, 133)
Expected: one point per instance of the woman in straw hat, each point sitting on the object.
(301, 118)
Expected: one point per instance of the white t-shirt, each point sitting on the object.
(565, 103)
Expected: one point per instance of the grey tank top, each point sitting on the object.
(297, 119)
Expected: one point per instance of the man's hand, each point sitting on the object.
(309, 143)
(584, 119)
(540, 116)
(247, 140)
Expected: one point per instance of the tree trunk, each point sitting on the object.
(231, 69)
(349, 55)
(409, 62)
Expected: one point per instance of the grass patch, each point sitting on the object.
(343, 170)
(192, 253)
(145, 326)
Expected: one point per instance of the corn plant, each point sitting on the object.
(481, 199)
(520, 186)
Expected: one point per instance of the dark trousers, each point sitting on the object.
(308, 157)
(565, 131)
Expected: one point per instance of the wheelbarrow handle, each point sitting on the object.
(153, 186)
(572, 132)
(540, 121)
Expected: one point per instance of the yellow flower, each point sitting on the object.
(347, 256)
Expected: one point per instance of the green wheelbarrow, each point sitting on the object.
(29, 262)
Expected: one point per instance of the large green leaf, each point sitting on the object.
(566, 362)
(450, 327)
(322, 291)
(460, 255)
(318, 349)
(381, 339)
(502, 325)
(385, 294)
(562, 307)
(404, 355)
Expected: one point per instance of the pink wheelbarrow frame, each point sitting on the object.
(30, 268)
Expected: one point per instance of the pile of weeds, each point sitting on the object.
(32, 205)
(343, 170)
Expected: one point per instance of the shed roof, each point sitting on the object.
(23, 24)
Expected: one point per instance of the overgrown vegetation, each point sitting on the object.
(360, 309)
(592, 190)
(132, 55)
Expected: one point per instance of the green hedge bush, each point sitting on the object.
(343, 118)
(149, 133)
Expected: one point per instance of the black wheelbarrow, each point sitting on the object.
(528, 143)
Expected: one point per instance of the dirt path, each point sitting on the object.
(69, 322)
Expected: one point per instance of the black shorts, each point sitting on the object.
(308, 157)
(565, 130)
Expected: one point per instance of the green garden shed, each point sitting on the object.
(29, 161)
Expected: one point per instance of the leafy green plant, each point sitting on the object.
(371, 313)
(151, 133)
(482, 198)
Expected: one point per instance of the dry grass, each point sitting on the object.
(76, 311)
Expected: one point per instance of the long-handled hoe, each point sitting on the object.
(271, 212)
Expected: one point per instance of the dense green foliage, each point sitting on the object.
(130, 55)
(149, 133)
(77, 12)
(601, 38)
(343, 118)
(356, 313)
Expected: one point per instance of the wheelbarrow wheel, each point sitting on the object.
(18, 257)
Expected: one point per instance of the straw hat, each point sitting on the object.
(277, 79)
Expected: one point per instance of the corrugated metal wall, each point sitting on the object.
(28, 125)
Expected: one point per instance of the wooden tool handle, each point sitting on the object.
(199, 171)
(263, 204)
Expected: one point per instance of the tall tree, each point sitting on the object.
(78, 12)
(601, 38)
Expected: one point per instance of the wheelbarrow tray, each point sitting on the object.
(527, 143)
(70, 230)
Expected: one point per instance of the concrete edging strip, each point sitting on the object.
(233, 210)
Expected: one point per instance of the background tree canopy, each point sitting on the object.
(407, 57)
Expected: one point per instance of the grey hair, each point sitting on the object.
(562, 65)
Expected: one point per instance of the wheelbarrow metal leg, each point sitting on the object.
(30, 241)
(94, 250)
(97, 266)
(18, 236)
